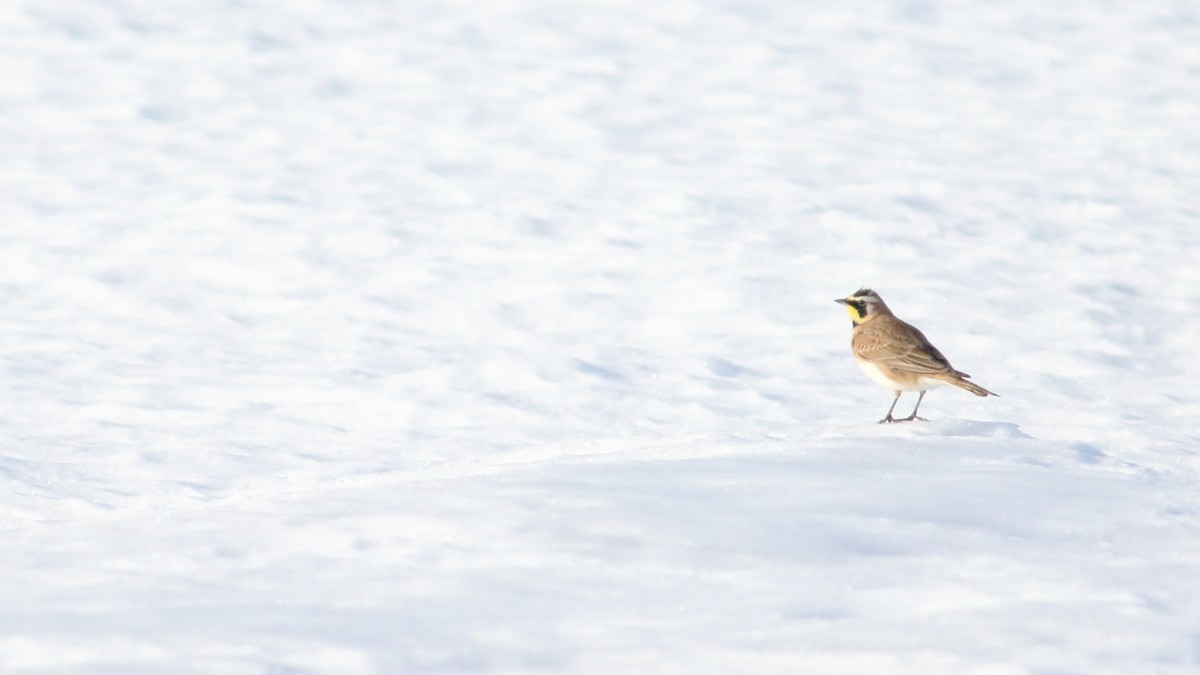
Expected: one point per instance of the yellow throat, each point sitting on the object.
(857, 310)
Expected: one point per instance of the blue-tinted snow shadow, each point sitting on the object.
(1087, 453)
(729, 369)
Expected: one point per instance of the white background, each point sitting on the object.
(445, 337)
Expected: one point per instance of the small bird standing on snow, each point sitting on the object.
(896, 354)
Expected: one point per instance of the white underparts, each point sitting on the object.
(877, 376)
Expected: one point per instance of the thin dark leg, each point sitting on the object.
(889, 417)
(913, 416)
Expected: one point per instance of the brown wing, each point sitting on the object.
(899, 346)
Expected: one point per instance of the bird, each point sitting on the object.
(895, 354)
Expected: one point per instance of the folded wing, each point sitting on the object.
(901, 348)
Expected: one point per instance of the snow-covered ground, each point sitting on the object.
(362, 336)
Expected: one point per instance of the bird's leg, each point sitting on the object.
(913, 416)
(889, 417)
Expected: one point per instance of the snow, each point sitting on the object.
(380, 337)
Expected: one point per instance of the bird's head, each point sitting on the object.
(864, 305)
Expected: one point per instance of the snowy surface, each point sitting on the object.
(427, 336)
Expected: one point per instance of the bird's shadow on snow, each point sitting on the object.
(947, 427)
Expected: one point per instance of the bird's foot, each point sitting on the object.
(892, 420)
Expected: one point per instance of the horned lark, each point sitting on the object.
(896, 354)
